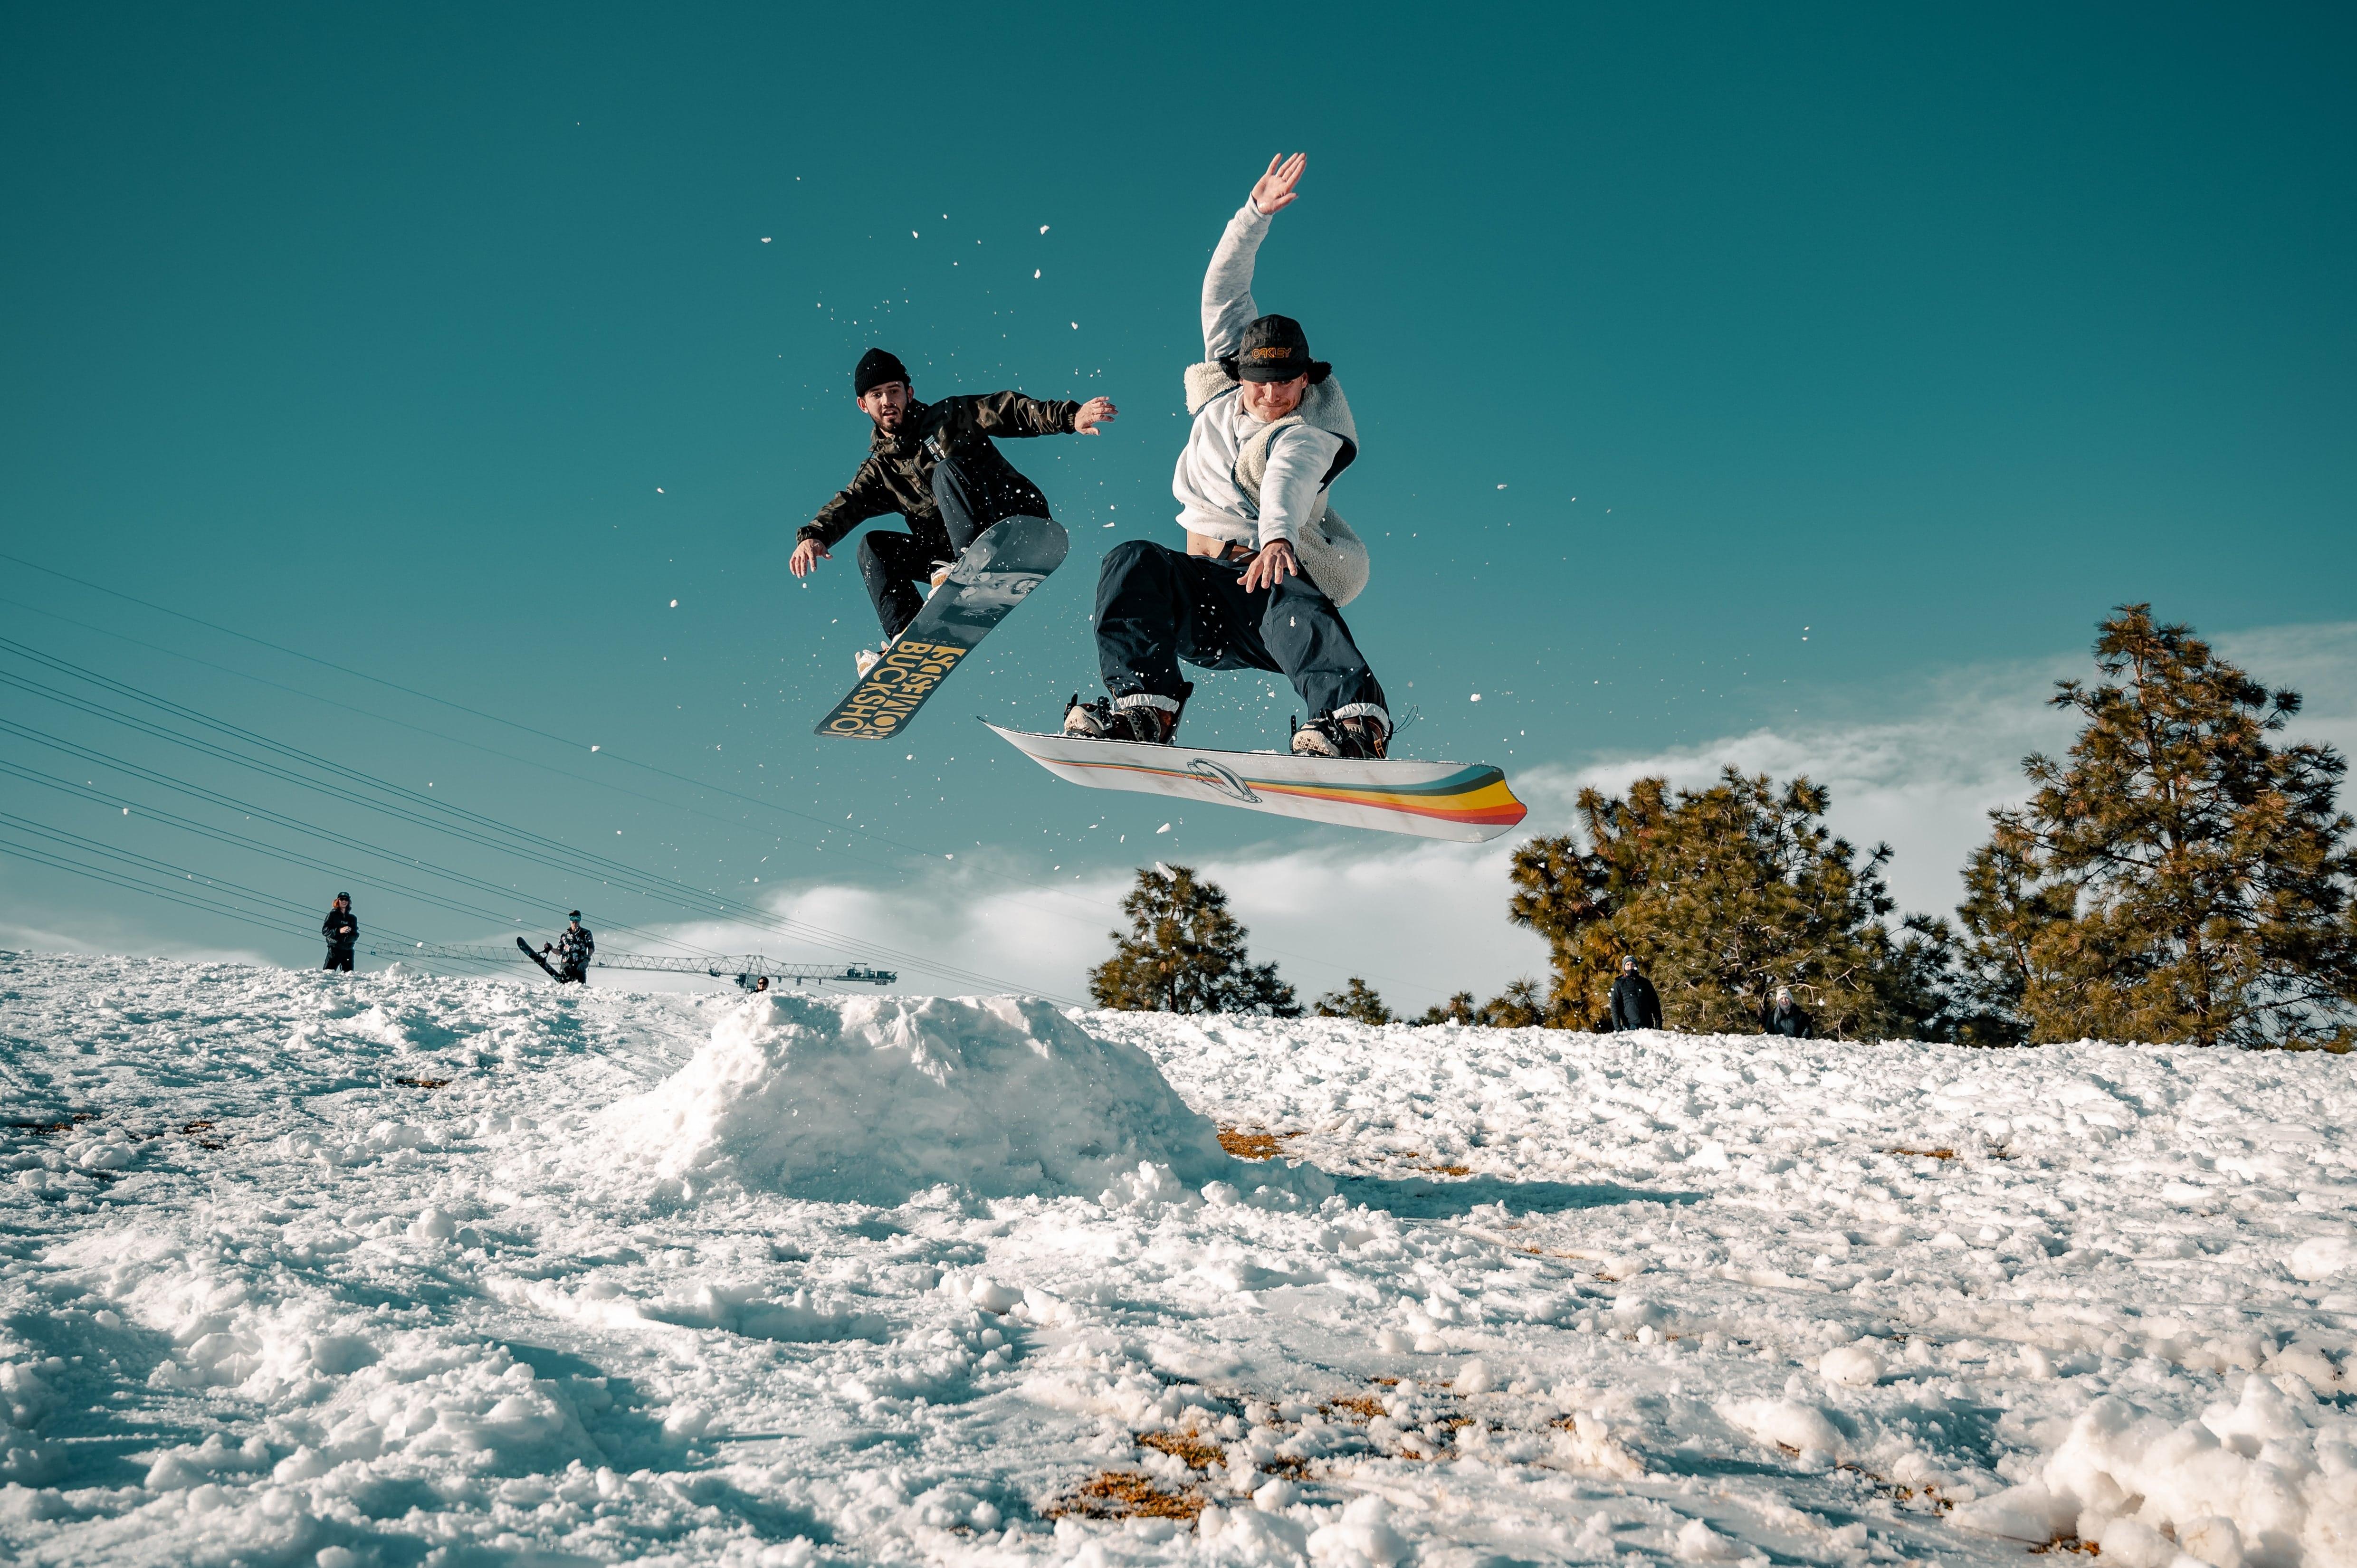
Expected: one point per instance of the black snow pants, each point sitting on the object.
(1156, 605)
(338, 958)
(893, 564)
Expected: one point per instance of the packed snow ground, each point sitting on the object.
(302, 1268)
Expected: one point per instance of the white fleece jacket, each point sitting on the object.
(1209, 500)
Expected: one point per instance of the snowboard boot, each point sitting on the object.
(941, 570)
(1362, 737)
(867, 657)
(1129, 720)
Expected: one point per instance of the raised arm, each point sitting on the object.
(1228, 304)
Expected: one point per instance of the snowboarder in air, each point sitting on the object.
(573, 948)
(1635, 1003)
(935, 465)
(342, 931)
(1267, 565)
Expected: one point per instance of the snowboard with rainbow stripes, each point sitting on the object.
(1465, 802)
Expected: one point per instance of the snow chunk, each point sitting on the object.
(2029, 1512)
(1852, 1366)
(1806, 1428)
(1697, 1542)
(872, 1100)
(2321, 1257)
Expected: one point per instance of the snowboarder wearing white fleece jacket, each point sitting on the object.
(1267, 562)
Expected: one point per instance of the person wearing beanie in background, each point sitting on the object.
(342, 931)
(1784, 1016)
(934, 463)
(1635, 1003)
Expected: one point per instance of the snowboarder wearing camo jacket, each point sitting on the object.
(934, 463)
(1267, 564)
(573, 948)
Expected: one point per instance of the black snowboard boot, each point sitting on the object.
(1105, 720)
(1361, 736)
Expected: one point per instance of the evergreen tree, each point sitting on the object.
(1519, 1006)
(1185, 954)
(1357, 1000)
(1459, 1010)
(1725, 894)
(2179, 876)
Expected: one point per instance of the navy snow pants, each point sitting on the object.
(1156, 605)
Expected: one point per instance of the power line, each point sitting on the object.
(183, 896)
(239, 841)
(634, 880)
(574, 776)
(1092, 915)
(494, 718)
(743, 970)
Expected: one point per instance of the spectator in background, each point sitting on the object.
(342, 932)
(1635, 1003)
(573, 948)
(1784, 1016)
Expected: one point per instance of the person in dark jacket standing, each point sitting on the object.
(1784, 1016)
(934, 463)
(573, 948)
(342, 931)
(1635, 1003)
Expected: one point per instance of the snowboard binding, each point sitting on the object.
(1140, 722)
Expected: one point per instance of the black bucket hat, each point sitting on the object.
(1275, 348)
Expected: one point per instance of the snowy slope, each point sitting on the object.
(398, 1270)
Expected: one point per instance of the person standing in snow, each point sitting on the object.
(1635, 1003)
(342, 931)
(1784, 1016)
(1267, 565)
(935, 465)
(573, 949)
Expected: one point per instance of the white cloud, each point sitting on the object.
(1419, 919)
(101, 934)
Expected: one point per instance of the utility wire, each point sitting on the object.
(180, 894)
(1093, 913)
(239, 841)
(219, 885)
(498, 719)
(578, 778)
(251, 809)
(730, 908)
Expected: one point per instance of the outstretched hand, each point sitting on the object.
(1270, 565)
(806, 557)
(1274, 191)
(1092, 413)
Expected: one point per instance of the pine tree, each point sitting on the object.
(1519, 1006)
(1357, 1000)
(1725, 894)
(1185, 954)
(2179, 876)
(1458, 1009)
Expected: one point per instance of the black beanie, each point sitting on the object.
(876, 368)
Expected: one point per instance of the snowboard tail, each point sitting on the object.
(1464, 802)
(997, 572)
(545, 966)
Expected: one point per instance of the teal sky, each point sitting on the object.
(1717, 367)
